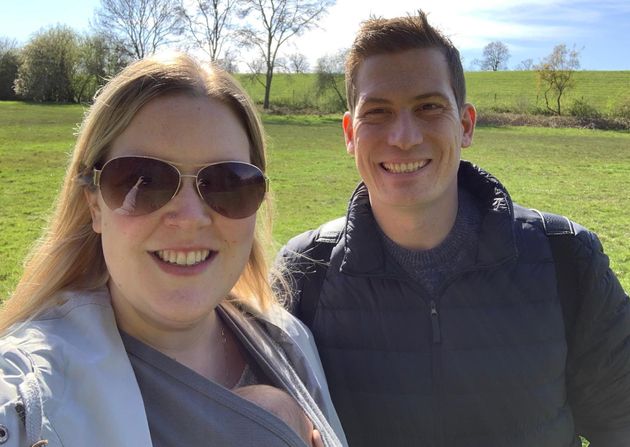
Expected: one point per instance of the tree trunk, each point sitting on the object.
(268, 79)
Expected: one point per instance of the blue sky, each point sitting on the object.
(530, 28)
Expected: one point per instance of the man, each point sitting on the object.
(441, 317)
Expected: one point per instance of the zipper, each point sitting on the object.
(436, 368)
(435, 323)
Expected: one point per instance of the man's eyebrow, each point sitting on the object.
(431, 95)
(421, 97)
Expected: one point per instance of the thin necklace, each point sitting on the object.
(226, 372)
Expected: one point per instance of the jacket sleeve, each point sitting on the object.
(598, 366)
(16, 384)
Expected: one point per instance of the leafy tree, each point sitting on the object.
(141, 26)
(329, 76)
(209, 24)
(9, 64)
(48, 66)
(495, 56)
(273, 23)
(99, 59)
(555, 75)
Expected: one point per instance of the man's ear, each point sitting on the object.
(348, 132)
(91, 197)
(468, 120)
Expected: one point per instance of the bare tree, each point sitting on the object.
(495, 56)
(8, 44)
(555, 75)
(474, 65)
(274, 22)
(329, 72)
(256, 67)
(142, 26)
(228, 62)
(297, 63)
(525, 65)
(208, 23)
(282, 65)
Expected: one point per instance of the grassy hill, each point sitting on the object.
(518, 90)
(514, 91)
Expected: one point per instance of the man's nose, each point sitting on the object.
(406, 131)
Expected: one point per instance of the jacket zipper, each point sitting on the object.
(435, 323)
(436, 358)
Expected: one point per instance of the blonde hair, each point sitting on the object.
(69, 255)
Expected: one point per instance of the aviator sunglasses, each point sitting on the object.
(138, 185)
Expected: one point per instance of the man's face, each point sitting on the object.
(407, 132)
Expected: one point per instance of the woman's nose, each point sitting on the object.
(187, 208)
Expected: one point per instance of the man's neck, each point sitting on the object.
(417, 228)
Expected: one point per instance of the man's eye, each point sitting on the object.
(430, 106)
(378, 111)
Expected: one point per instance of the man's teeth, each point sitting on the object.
(183, 257)
(400, 168)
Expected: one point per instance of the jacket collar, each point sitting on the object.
(364, 253)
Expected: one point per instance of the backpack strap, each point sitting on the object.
(560, 232)
(328, 236)
(559, 229)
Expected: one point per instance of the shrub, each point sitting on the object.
(582, 109)
(9, 64)
(622, 108)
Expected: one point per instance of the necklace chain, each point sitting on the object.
(226, 374)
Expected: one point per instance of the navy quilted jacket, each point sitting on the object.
(486, 361)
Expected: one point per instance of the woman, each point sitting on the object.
(147, 299)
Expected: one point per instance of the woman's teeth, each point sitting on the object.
(183, 257)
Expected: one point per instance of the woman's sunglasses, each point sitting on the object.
(137, 185)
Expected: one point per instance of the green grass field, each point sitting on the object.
(518, 90)
(515, 91)
(583, 174)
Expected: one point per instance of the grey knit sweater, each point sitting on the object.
(433, 267)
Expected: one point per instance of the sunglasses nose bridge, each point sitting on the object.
(194, 178)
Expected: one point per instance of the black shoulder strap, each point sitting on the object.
(560, 231)
(328, 236)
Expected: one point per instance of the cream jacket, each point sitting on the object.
(65, 377)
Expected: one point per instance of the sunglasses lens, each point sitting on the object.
(134, 186)
(234, 190)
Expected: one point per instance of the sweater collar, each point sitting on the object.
(364, 253)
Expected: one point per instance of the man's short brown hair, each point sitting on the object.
(385, 36)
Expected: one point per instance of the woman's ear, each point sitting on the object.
(91, 197)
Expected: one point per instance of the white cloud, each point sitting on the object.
(470, 24)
